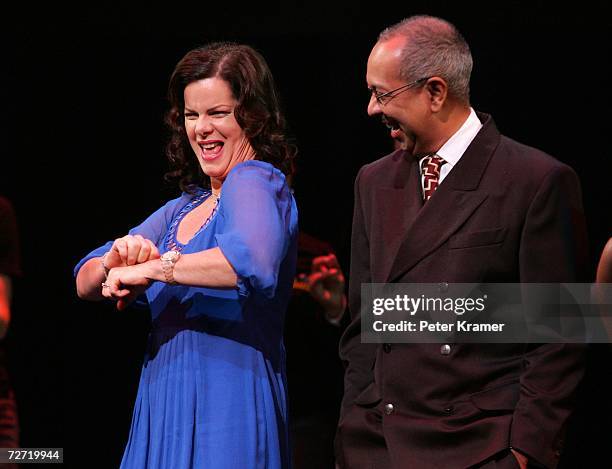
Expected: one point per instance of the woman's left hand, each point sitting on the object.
(125, 284)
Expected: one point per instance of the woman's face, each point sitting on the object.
(215, 137)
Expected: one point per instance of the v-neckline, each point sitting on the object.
(172, 242)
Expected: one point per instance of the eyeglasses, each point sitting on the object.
(384, 98)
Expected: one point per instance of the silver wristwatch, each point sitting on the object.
(168, 259)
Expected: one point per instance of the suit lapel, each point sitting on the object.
(456, 198)
(396, 209)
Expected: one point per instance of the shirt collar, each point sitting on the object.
(455, 146)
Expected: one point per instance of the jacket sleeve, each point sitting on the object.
(358, 358)
(552, 250)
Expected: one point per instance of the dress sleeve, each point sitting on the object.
(153, 228)
(256, 210)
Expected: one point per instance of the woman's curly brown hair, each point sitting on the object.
(257, 112)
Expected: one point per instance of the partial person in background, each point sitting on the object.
(212, 392)
(604, 268)
(604, 292)
(9, 269)
(314, 371)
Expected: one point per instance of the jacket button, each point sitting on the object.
(389, 409)
(443, 287)
(387, 348)
(445, 349)
(449, 409)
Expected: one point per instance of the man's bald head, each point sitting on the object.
(432, 47)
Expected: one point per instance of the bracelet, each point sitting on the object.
(105, 269)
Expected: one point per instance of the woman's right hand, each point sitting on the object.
(130, 250)
(127, 251)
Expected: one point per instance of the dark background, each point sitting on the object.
(83, 98)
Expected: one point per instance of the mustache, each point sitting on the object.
(390, 123)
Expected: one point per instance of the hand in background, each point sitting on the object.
(326, 285)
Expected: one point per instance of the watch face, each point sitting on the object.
(170, 256)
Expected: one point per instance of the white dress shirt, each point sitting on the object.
(455, 147)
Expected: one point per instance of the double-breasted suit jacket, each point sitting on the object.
(505, 213)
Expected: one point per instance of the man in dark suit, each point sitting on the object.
(465, 204)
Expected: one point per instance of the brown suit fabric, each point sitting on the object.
(505, 213)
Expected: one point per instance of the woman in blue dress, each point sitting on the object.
(212, 391)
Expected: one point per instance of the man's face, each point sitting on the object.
(405, 111)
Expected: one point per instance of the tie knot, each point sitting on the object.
(430, 169)
(432, 162)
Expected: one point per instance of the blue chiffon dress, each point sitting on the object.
(212, 392)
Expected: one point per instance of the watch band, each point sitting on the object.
(168, 260)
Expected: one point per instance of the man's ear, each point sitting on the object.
(438, 91)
